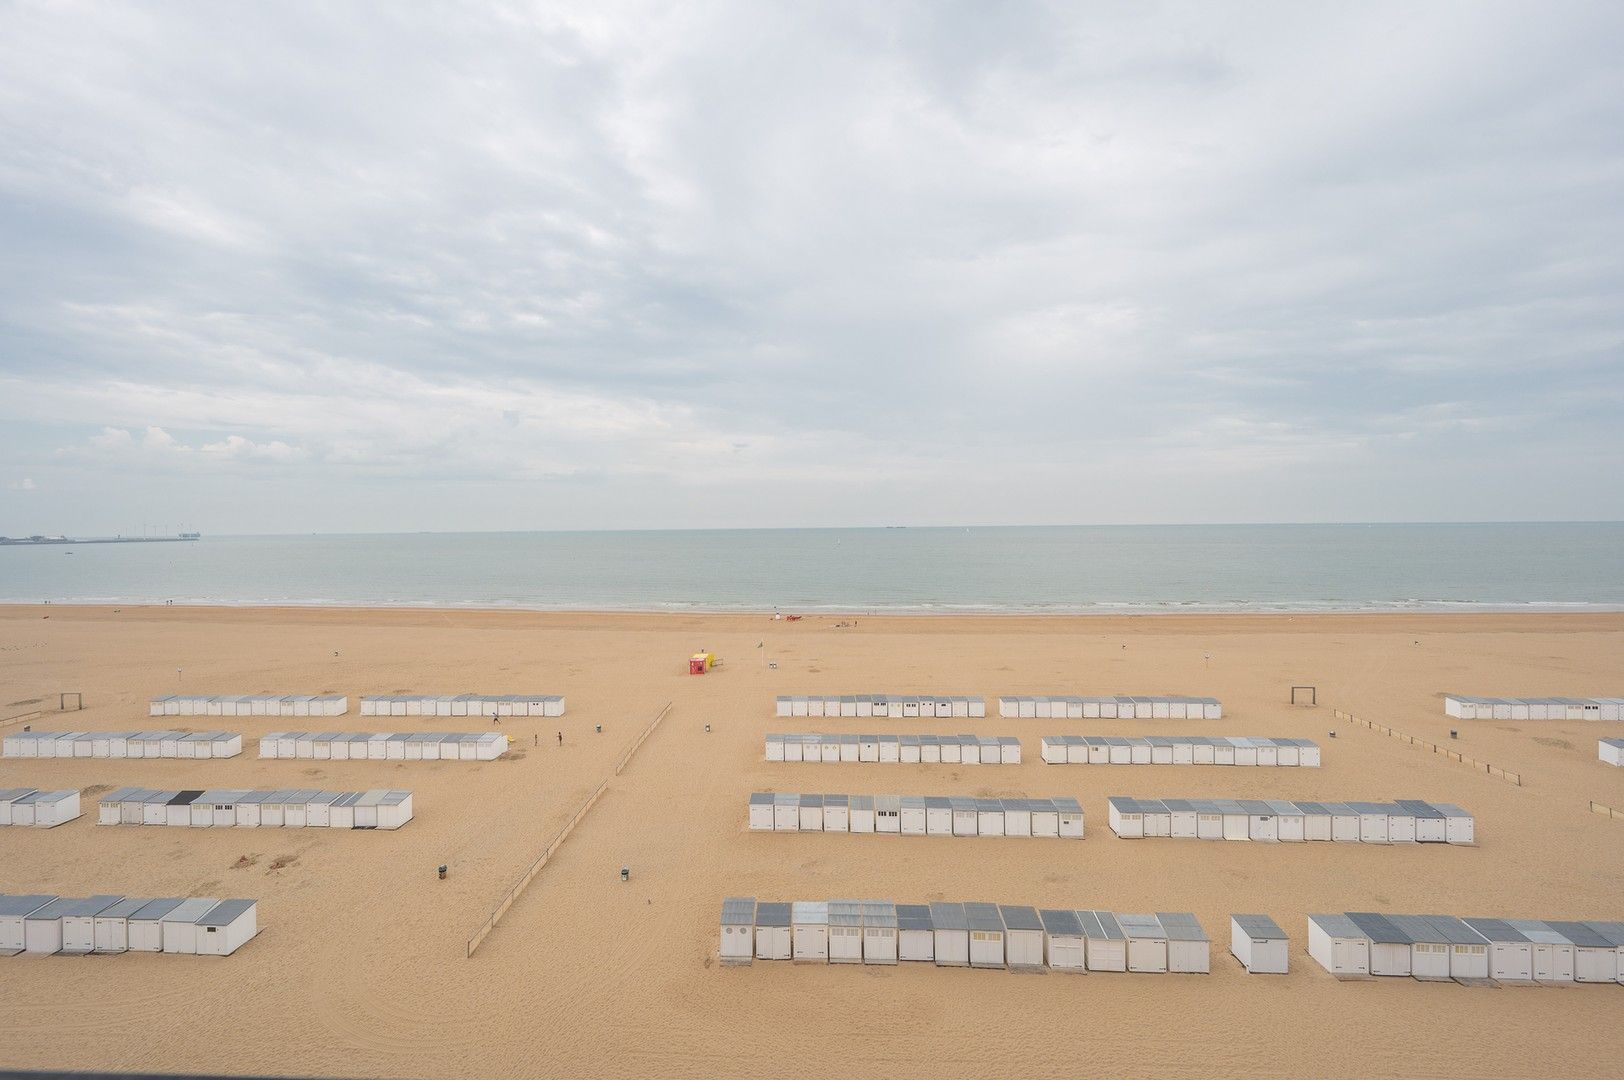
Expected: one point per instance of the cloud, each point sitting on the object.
(721, 264)
(25, 484)
(158, 449)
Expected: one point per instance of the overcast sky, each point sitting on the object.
(344, 267)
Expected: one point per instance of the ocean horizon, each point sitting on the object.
(1072, 570)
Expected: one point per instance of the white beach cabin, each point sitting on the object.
(1107, 945)
(111, 933)
(738, 930)
(950, 927)
(1189, 950)
(1259, 944)
(809, 930)
(1023, 937)
(916, 933)
(1339, 945)
(1147, 942)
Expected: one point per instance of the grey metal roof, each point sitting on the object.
(1108, 926)
(1067, 805)
(914, 917)
(1258, 926)
(772, 914)
(1181, 926)
(126, 907)
(1057, 921)
(189, 911)
(938, 802)
(1580, 934)
(1612, 931)
(1379, 928)
(862, 802)
(986, 806)
(961, 803)
(1141, 925)
(807, 912)
(156, 910)
(739, 911)
(11, 906)
(879, 913)
(1314, 809)
(1495, 930)
(226, 912)
(1454, 930)
(1282, 808)
(1256, 807)
(1421, 809)
(761, 798)
(983, 916)
(948, 916)
(1541, 932)
(394, 798)
(56, 909)
(836, 800)
(1419, 928)
(1338, 925)
(1179, 806)
(1450, 810)
(1017, 917)
(1124, 804)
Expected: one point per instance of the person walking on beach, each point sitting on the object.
(560, 738)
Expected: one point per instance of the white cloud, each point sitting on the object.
(895, 256)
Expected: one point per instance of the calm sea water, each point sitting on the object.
(1085, 569)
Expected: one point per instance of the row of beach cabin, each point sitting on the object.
(1114, 707)
(44, 925)
(897, 706)
(1441, 947)
(1179, 750)
(463, 705)
(1274, 820)
(249, 705)
(1611, 751)
(948, 934)
(916, 815)
(285, 809)
(901, 749)
(39, 809)
(121, 744)
(1463, 707)
(384, 745)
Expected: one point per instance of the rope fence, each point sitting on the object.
(478, 937)
(1453, 755)
(20, 717)
(1605, 811)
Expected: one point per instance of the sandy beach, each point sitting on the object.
(360, 969)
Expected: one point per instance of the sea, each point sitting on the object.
(1058, 570)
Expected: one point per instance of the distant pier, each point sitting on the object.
(42, 541)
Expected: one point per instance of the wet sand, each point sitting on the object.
(360, 967)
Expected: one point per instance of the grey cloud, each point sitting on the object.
(728, 264)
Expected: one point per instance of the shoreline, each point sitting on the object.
(1158, 616)
(1394, 609)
